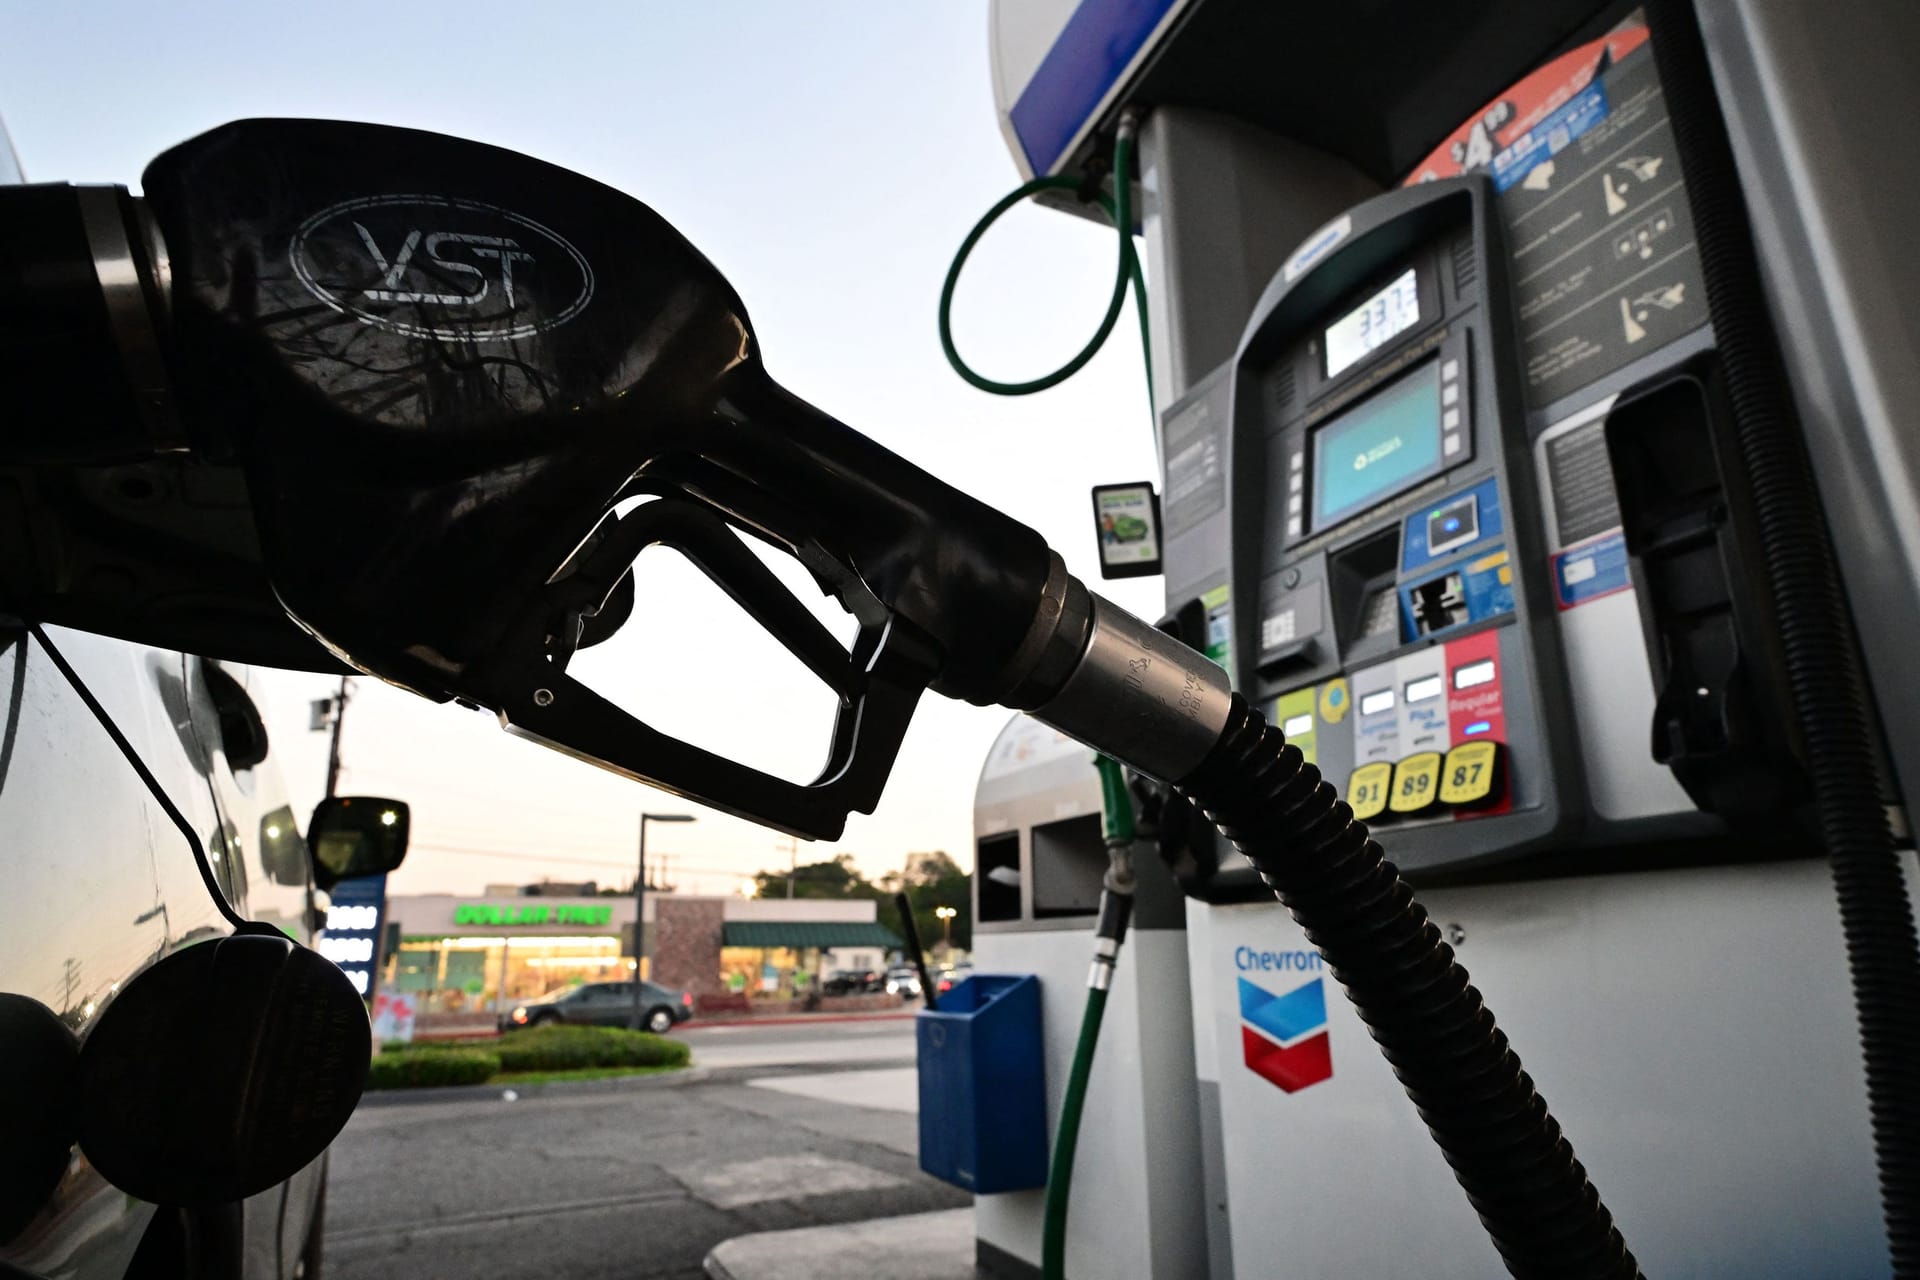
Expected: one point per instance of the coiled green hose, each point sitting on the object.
(1119, 208)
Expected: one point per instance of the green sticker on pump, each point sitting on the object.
(1294, 714)
(1219, 627)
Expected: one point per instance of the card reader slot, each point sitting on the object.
(1439, 603)
(1357, 575)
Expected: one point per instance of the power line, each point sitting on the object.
(708, 869)
(518, 857)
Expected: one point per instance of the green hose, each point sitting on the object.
(1116, 806)
(1116, 907)
(1053, 1231)
(1119, 209)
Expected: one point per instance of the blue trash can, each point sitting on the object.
(983, 1086)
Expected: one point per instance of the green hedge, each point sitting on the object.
(551, 1048)
(564, 1048)
(424, 1068)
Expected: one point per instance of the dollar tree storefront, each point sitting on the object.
(484, 954)
(472, 955)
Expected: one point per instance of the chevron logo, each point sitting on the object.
(1285, 1036)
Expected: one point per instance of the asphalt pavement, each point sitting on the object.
(775, 1127)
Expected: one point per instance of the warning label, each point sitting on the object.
(1196, 478)
(1581, 476)
(1605, 267)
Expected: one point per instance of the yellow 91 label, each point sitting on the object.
(1416, 782)
(1469, 775)
(1367, 790)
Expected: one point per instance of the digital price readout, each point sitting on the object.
(352, 938)
(1372, 324)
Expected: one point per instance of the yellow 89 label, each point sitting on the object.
(1470, 773)
(1416, 782)
(1367, 790)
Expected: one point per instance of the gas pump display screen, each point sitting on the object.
(1377, 448)
(1390, 312)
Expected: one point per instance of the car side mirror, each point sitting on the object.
(354, 836)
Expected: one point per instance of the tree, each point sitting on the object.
(835, 879)
(934, 880)
(929, 880)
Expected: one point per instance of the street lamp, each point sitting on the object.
(640, 906)
(946, 915)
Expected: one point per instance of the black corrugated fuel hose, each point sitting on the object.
(1826, 685)
(1507, 1152)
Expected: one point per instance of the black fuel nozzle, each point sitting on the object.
(442, 366)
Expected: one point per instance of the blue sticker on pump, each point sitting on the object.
(1513, 162)
(1487, 584)
(1591, 570)
(1486, 495)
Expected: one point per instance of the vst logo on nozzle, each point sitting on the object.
(1284, 1037)
(436, 267)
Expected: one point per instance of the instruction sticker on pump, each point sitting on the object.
(1604, 264)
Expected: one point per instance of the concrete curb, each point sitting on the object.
(695, 1074)
(792, 1020)
(493, 1092)
(700, 1024)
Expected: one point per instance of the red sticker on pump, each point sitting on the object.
(1526, 103)
(1476, 703)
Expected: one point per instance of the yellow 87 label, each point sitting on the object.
(1470, 773)
(1367, 790)
(1416, 782)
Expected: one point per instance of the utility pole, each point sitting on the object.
(639, 922)
(793, 862)
(640, 908)
(333, 751)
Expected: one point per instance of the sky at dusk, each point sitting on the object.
(828, 158)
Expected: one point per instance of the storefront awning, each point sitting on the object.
(808, 933)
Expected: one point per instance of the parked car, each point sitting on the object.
(903, 980)
(604, 1004)
(853, 982)
(101, 887)
(948, 979)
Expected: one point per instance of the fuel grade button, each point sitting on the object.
(1471, 774)
(1416, 783)
(1367, 790)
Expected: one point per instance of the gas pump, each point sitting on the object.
(1038, 869)
(1479, 454)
